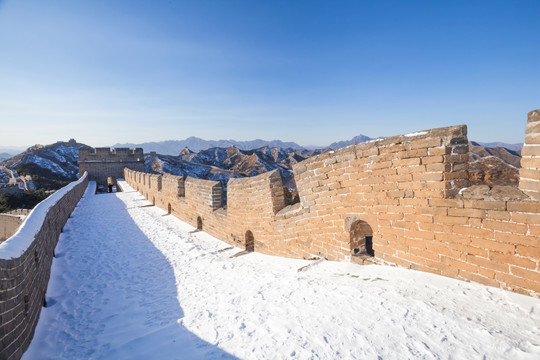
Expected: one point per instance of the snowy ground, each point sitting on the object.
(131, 282)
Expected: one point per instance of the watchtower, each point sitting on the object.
(102, 163)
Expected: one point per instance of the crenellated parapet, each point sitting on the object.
(103, 163)
(258, 196)
(207, 192)
(173, 186)
(400, 200)
(103, 154)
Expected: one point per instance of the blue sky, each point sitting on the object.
(313, 72)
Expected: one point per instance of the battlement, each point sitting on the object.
(115, 155)
(103, 163)
(400, 200)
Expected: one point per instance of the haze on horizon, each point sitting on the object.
(312, 72)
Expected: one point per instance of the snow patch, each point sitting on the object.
(47, 164)
(418, 133)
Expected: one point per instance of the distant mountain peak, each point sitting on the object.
(354, 141)
(514, 147)
(195, 144)
(186, 151)
(56, 163)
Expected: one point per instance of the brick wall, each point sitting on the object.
(402, 193)
(9, 225)
(24, 279)
(101, 163)
(530, 162)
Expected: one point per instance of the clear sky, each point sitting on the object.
(312, 72)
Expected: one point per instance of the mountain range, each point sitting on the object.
(4, 156)
(53, 165)
(173, 147)
(493, 165)
(515, 147)
(221, 164)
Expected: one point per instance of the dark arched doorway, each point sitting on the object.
(199, 223)
(361, 239)
(250, 241)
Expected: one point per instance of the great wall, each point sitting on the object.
(402, 200)
(398, 198)
(25, 267)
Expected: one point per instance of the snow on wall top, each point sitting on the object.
(16, 245)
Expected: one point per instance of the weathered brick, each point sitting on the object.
(476, 213)
(525, 273)
(455, 203)
(506, 259)
(529, 251)
(426, 143)
(478, 278)
(486, 205)
(450, 220)
(460, 265)
(434, 151)
(493, 245)
(524, 218)
(456, 175)
(532, 139)
(488, 263)
(505, 226)
(466, 230)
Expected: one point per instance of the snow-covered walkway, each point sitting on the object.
(131, 282)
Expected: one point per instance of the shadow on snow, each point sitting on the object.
(112, 293)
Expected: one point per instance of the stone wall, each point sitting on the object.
(101, 163)
(530, 162)
(9, 225)
(397, 198)
(25, 266)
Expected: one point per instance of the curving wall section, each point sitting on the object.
(25, 266)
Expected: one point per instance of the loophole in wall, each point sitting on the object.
(199, 223)
(26, 304)
(250, 241)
